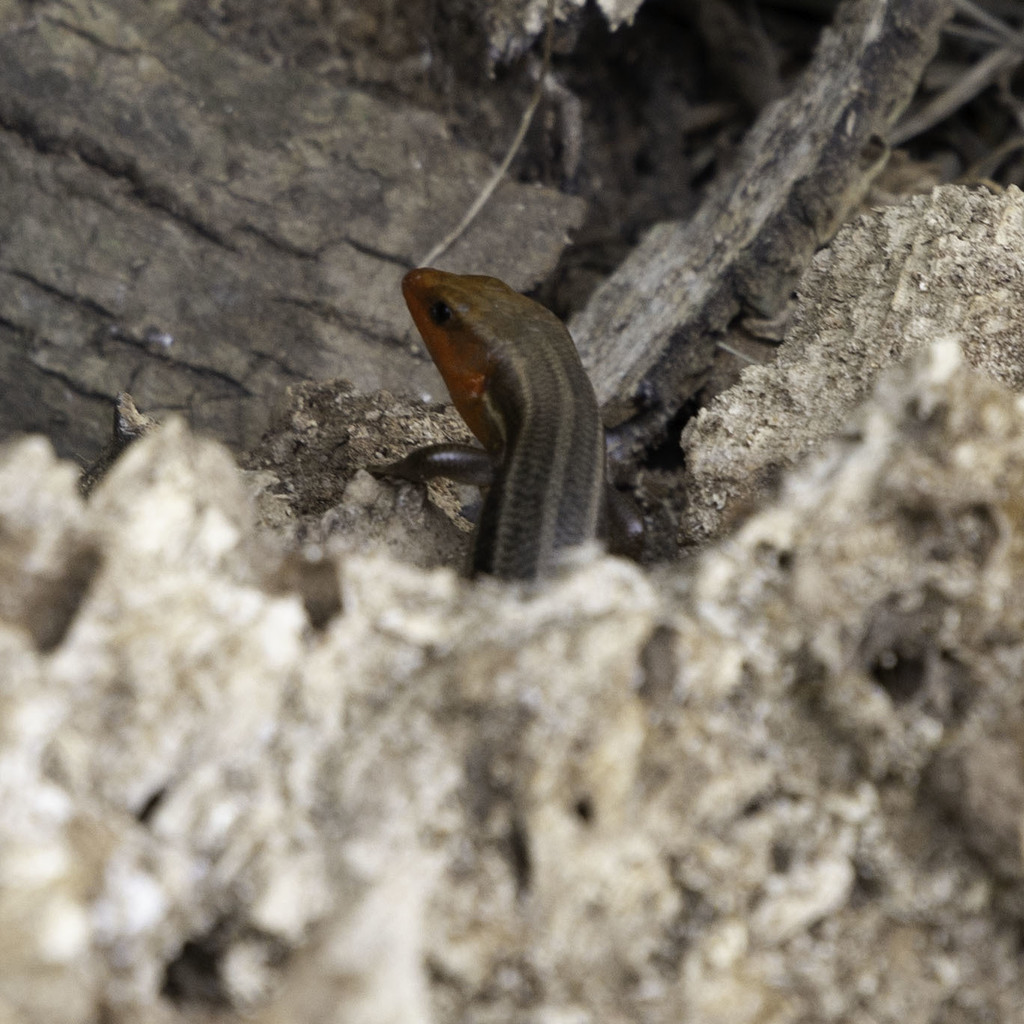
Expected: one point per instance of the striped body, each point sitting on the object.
(515, 376)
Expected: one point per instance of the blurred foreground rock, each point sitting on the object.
(781, 783)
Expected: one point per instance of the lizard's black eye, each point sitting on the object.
(440, 313)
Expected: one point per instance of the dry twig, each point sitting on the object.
(499, 172)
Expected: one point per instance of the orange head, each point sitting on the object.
(456, 316)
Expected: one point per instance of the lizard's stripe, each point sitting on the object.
(549, 488)
(513, 372)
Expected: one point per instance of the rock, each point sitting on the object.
(945, 265)
(748, 789)
(47, 554)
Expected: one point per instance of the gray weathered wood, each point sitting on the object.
(648, 334)
(183, 222)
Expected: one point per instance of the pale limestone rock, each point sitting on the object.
(780, 783)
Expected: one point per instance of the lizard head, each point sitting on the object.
(463, 320)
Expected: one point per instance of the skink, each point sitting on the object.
(516, 378)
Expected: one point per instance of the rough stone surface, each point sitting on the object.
(780, 783)
(945, 265)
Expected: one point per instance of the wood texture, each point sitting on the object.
(182, 222)
(649, 333)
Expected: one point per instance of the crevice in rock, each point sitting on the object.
(519, 856)
(193, 977)
(90, 305)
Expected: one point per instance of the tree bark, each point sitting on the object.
(185, 223)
